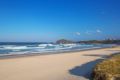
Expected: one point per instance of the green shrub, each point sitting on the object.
(108, 69)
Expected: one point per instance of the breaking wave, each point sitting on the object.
(43, 48)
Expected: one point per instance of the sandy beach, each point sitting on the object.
(67, 66)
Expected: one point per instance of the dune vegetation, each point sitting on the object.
(108, 69)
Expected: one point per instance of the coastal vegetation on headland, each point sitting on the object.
(108, 69)
(107, 41)
(64, 41)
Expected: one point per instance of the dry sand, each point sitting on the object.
(67, 66)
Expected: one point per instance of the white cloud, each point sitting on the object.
(78, 33)
(98, 31)
(93, 32)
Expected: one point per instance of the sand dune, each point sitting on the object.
(67, 66)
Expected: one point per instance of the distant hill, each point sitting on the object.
(108, 41)
(64, 41)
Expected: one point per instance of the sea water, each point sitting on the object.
(42, 48)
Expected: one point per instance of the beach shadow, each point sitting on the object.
(84, 70)
(96, 55)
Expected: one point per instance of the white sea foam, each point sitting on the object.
(15, 47)
(42, 45)
(69, 44)
(43, 48)
(50, 45)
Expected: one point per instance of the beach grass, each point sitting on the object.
(108, 69)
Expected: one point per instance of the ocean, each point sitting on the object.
(16, 48)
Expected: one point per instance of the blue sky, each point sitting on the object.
(50, 20)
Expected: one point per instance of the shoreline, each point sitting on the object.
(68, 66)
(48, 53)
